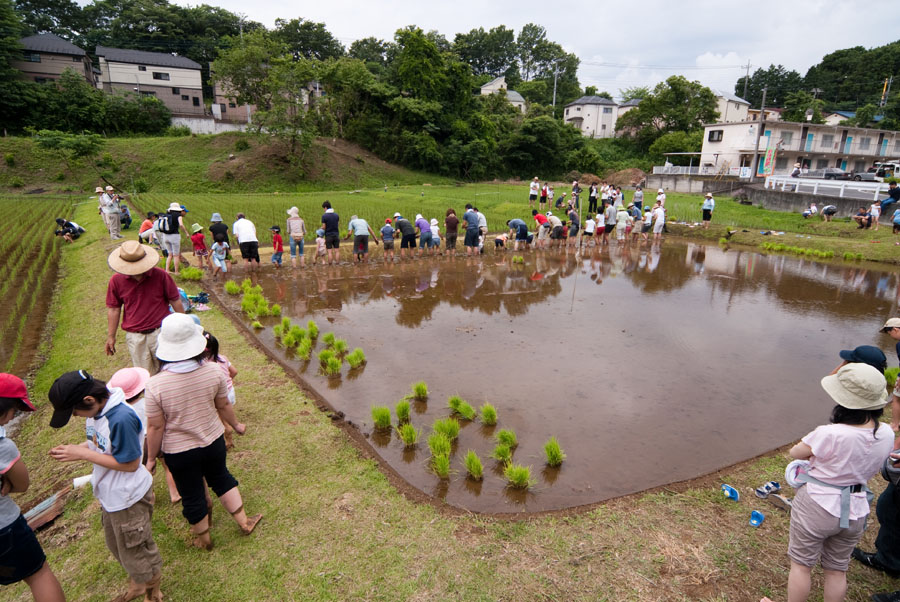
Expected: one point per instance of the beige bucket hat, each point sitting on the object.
(180, 338)
(857, 387)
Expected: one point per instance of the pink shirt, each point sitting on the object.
(846, 455)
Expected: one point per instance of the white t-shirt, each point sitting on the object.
(648, 217)
(534, 187)
(875, 210)
(659, 215)
(661, 197)
(244, 231)
(600, 220)
(589, 225)
(604, 192)
(846, 455)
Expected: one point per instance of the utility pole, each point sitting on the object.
(887, 90)
(762, 125)
(555, 75)
(746, 79)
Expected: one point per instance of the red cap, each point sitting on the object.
(14, 387)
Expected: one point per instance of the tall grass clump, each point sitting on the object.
(473, 465)
(312, 329)
(518, 476)
(304, 349)
(402, 411)
(325, 355)
(441, 465)
(488, 415)
(502, 453)
(420, 391)
(356, 358)
(507, 437)
(448, 427)
(340, 346)
(553, 452)
(381, 417)
(232, 287)
(408, 434)
(328, 338)
(439, 444)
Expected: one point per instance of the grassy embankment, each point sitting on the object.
(335, 529)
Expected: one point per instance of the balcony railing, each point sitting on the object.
(839, 188)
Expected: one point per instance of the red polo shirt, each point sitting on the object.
(146, 302)
(540, 218)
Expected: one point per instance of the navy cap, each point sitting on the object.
(866, 354)
(66, 391)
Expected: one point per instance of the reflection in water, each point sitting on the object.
(713, 356)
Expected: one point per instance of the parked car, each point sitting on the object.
(887, 169)
(865, 176)
(827, 173)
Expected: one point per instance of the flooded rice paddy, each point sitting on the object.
(650, 366)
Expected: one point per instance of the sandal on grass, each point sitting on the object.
(781, 502)
(730, 492)
(766, 489)
(756, 518)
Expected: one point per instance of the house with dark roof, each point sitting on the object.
(173, 79)
(45, 56)
(594, 116)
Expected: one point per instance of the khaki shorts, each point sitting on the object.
(816, 536)
(142, 348)
(130, 539)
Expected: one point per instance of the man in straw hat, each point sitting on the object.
(140, 293)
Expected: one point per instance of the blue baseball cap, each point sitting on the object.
(866, 354)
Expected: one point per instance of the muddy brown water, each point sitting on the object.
(650, 365)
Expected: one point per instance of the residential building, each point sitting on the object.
(836, 117)
(729, 146)
(730, 107)
(175, 80)
(594, 116)
(45, 56)
(772, 114)
(499, 83)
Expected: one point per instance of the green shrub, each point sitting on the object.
(141, 185)
(312, 329)
(502, 453)
(16, 182)
(439, 444)
(420, 391)
(178, 131)
(232, 287)
(473, 465)
(381, 417)
(507, 437)
(190, 273)
(10, 159)
(241, 145)
(891, 375)
(553, 452)
(402, 411)
(408, 434)
(328, 339)
(488, 415)
(356, 358)
(518, 476)
(333, 366)
(441, 465)
(448, 427)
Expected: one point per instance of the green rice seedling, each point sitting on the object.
(507, 437)
(723, 241)
(466, 411)
(473, 465)
(356, 358)
(408, 434)
(420, 391)
(381, 417)
(257, 325)
(402, 411)
(288, 340)
(262, 307)
(488, 415)
(340, 346)
(439, 444)
(333, 366)
(891, 375)
(298, 332)
(312, 329)
(325, 355)
(328, 338)
(502, 453)
(448, 427)
(454, 402)
(252, 315)
(304, 349)
(441, 465)
(553, 452)
(248, 304)
(518, 476)
(257, 289)
(246, 285)
(275, 310)
(286, 324)
(278, 331)
(232, 287)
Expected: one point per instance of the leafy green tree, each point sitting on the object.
(371, 51)
(605, 95)
(677, 142)
(71, 148)
(634, 93)
(307, 39)
(780, 83)
(489, 52)
(419, 65)
(865, 116)
(130, 114)
(852, 77)
(244, 68)
(13, 100)
(71, 105)
(798, 103)
(675, 105)
(61, 17)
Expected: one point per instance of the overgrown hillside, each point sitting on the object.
(231, 162)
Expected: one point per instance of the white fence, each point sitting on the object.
(838, 188)
(695, 170)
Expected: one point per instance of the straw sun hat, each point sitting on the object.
(180, 338)
(132, 258)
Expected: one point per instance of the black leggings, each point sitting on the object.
(190, 467)
(592, 204)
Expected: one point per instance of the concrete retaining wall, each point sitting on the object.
(693, 185)
(796, 202)
(207, 125)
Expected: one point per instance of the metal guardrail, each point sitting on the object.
(681, 170)
(839, 188)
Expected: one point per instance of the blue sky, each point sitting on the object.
(625, 43)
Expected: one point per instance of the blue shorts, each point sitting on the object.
(276, 257)
(296, 245)
(424, 240)
(21, 556)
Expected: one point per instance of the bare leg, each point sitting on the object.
(799, 583)
(201, 534)
(233, 503)
(44, 586)
(835, 585)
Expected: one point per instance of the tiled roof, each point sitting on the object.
(631, 103)
(50, 43)
(730, 96)
(513, 96)
(592, 100)
(141, 57)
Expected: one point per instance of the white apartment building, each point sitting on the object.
(594, 116)
(730, 107)
(175, 80)
(499, 83)
(729, 146)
